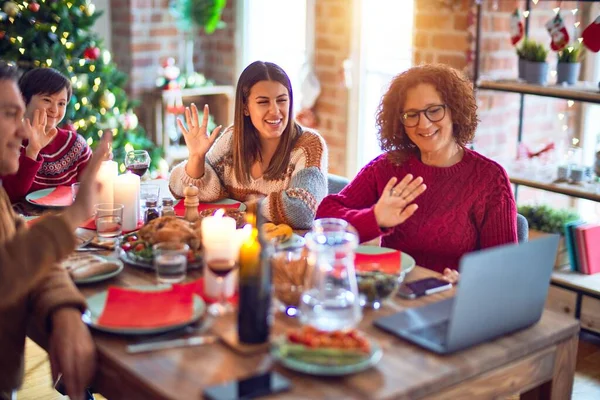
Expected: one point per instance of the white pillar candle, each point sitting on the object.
(127, 192)
(218, 241)
(106, 176)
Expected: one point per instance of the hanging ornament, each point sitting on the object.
(2, 35)
(130, 120)
(558, 32)
(35, 7)
(516, 27)
(91, 53)
(591, 36)
(107, 100)
(3, 16)
(11, 9)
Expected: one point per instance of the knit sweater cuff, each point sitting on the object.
(369, 230)
(208, 184)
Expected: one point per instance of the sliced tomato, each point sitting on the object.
(126, 246)
(139, 247)
(132, 238)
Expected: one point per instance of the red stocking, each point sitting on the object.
(558, 33)
(516, 27)
(591, 36)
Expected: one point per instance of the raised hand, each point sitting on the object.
(196, 138)
(36, 133)
(394, 206)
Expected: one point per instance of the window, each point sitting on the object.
(280, 32)
(382, 48)
(102, 26)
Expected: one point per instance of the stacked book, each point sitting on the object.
(583, 246)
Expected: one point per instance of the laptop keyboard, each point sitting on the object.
(434, 333)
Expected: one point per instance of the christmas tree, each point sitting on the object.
(57, 34)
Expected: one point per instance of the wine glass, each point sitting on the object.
(219, 258)
(137, 161)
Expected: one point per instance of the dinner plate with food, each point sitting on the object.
(282, 236)
(88, 268)
(333, 353)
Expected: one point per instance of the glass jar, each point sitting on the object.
(330, 301)
(167, 207)
(151, 211)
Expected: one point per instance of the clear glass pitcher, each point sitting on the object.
(331, 301)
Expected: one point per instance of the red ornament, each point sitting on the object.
(35, 7)
(91, 53)
(2, 34)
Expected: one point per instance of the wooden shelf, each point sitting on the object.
(581, 91)
(577, 281)
(583, 192)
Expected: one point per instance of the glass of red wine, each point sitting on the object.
(137, 161)
(220, 259)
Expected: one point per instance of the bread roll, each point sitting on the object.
(93, 270)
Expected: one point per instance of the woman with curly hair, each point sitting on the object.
(429, 195)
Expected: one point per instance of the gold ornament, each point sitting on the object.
(11, 9)
(107, 100)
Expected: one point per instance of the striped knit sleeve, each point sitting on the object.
(84, 155)
(211, 185)
(499, 219)
(297, 205)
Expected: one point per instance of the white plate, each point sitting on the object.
(97, 302)
(408, 263)
(38, 194)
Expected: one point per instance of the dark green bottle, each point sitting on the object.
(254, 319)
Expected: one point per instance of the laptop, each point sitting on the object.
(501, 289)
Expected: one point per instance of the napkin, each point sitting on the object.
(91, 224)
(197, 287)
(130, 308)
(180, 207)
(60, 196)
(386, 262)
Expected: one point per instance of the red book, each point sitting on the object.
(580, 246)
(591, 251)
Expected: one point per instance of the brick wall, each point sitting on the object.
(333, 19)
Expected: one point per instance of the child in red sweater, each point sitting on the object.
(429, 195)
(52, 156)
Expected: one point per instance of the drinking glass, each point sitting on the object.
(170, 261)
(149, 191)
(137, 161)
(220, 259)
(289, 269)
(331, 301)
(74, 190)
(109, 220)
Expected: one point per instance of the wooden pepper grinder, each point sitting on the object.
(191, 203)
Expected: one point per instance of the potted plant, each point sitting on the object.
(543, 218)
(535, 67)
(522, 61)
(567, 69)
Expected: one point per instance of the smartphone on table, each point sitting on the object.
(423, 287)
(249, 388)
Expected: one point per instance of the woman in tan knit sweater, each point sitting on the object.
(265, 152)
(36, 293)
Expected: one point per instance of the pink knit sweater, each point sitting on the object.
(466, 207)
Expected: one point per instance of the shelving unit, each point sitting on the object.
(571, 293)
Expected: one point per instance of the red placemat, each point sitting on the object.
(180, 207)
(60, 196)
(197, 287)
(386, 262)
(91, 224)
(128, 308)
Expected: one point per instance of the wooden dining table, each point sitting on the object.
(538, 362)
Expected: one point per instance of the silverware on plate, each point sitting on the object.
(171, 344)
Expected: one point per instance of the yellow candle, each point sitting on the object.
(106, 176)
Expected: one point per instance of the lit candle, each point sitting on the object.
(106, 176)
(127, 192)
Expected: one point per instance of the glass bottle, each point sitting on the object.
(167, 207)
(151, 211)
(254, 320)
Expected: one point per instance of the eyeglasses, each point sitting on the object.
(434, 113)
